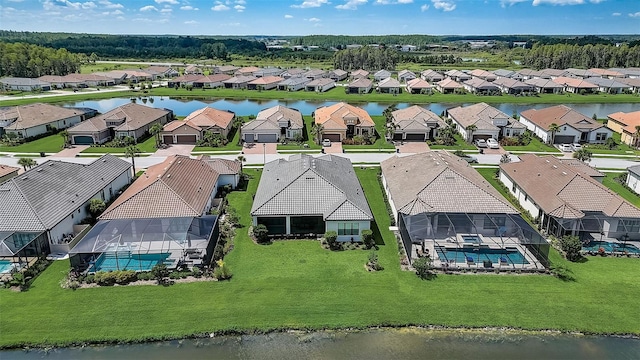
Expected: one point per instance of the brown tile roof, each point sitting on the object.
(415, 117)
(333, 117)
(27, 116)
(208, 117)
(582, 167)
(629, 120)
(481, 115)
(605, 72)
(418, 83)
(6, 170)
(90, 77)
(560, 115)
(427, 182)
(178, 123)
(360, 72)
(574, 83)
(483, 74)
(361, 83)
(449, 83)
(563, 191)
(265, 80)
(187, 78)
(222, 166)
(213, 78)
(179, 186)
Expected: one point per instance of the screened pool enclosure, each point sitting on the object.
(140, 244)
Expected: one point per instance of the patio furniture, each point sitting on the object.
(470, 260)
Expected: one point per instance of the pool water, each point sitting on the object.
(479, 255)
(471, 239)
(611, 247)
(5, 266)
(127, 261)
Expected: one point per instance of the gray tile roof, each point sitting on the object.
(416, 118)
(268, 119)
(482, 115)
(43, 196)
(437, 182)
(27, 116)
(304, 185)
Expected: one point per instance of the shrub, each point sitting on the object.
(368, 239)
(89, 279)
(145, 275)
(423, 267)
(332, 239)
(261, 233)
(124, 277)
(562, 272)
(571, 247)
(105, 278)
(197, 273)
(222, 272)
(159, 273)
(373, 261)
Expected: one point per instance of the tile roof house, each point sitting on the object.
(23, 84)
(360, 73)
(193, 127)
(633, 83)
(573, 126)
(184, 80)
(389, 86)
(431, 76)
(420, 188)
(338, 75)
(458, 75)
(293, 72)
(512, 86)
(131, 119)
(238, 82)
(247, 71)
(225, 69)
(306, 195)
(228, 170)
(415, 123)
(52, 197)
(568, 201)
(39, 118)
(483, 74)
(381, 75)
(274, 124)
(61, 82)
(551, 73)
(448, 86)
(584, 168)
(489, 122)
(545, 86)
(320, 85)
(579, 73)
(406, 75)
(341, 121)
(360, 86)
(633, 178)
(294, 83)
(575, 85)
(162, 71)
(210, 81)
(609, 86)
(503, 73)
(193, 70)
(480, 86)
(177, 187)
(270, 71)
(625, 124)
(7, 172)
(419, 86)
(264, 83)
(94, 80)
(607, 73)
(314, 74)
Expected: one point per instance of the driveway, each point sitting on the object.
(412, 147)
(175, 150)
(71, 152)
(259, 148)
(335, 148)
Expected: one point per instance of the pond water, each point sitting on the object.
(409, 343)
(184, 106)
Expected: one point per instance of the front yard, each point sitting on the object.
(48, 144)
(298, 285)
(534, 146)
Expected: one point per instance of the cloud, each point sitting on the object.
(597, 1)
(13, 1)
(166, 10)
(220, 7)
(351, 5)
(287, 16)
(89, 5)
(635, 15)
(311, 4)
(444, 5)
(616, 14)
(188, 7)
(148, 8)
(557, 2)
(424, 7)
(239, 8)
(191, 22)
(314, 19)
(505, 3)
(109, 5)
(172, 2)
(393, 2)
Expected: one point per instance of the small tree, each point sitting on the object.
(261, 233)
(505, 159)
(132, 151)
(571, 247)
(96, 207)
(470, 129)
(155, 130)
(238, 121)
(65, 136)
(553, 129)
(316, 132)
(242, 160)
(368, 239)
(423, 266)
(331, 237)
(27, 163)
(611, 143)
(221, 272)
(373, 262)
(583, 155)
(160, 273)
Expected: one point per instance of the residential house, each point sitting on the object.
(195, 125)
(94, 80)
(483, 74)
(381, 75)
(320, 85)
(315, 74)
(420, 189)
(625, 124)
(162, 71)
(210, 81)
(632, 73)
(579, 73)
(116, 76)
(633, 178)
(23, 84)
(294, 83)
(307, 196)
(293, 72)
(138, 75)
(247, 71)
(551, 73)
(225, 69)
(264, 83)
(584, 168)
(458, 75)
(47, 201)
(238, 82)
(31, 120)
(545, 86)
(408, 48)
(229, 171)
(488, 121)
(568, 202)
(633, 83)
(448, 86)
(341, 121)
(512, 86)
(359, 74)
(503, 73)
(576, 85)
(480, 86)
(193, 70)
(415, 123)
(389, 86)
(360, 86)
(573, 126)
(431, 76)
(527, 74)
(61, 82)
(406, 75)
(609, 86)
(338, 75)
(183, 81)
(131, 119)
(419, 86)
(607, 74)
(274, 124)
(7, 172)
(270, 71)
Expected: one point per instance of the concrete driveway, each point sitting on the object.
(335, 148)
(259, 148)
(175, 150)
(412, 147)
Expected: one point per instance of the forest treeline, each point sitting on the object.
(367, 57)
(28, 60)
(563, 56)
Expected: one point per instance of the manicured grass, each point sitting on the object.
(535, 145)
(95, 95)
(621, 190)
(297, 284)
(49, 144)
(459, 145)
(147, 146)
(621, 149)
(231, 145)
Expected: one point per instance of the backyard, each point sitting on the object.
(299, 285)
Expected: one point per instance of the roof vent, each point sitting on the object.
(51, 163)
(25, 178)
(555, 167)
(39, 170)
(564, 173)
(168, 176)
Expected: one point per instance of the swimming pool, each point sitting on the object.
(127, 261)
(479, 255)
(5, 266)
(610, 247)
(471, 239)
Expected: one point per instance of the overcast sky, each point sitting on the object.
(335, 17)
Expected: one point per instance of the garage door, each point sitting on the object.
(267, 138)
(563, 139)
(419, 137)
(484, 137)
(332, 137)
(83, 140)
(186, 139)
(248, 138)
(397, 136)
(167, 139)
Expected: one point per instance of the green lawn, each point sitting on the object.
(535, 145)
(231, 145)
(459, 145)
(621, 149)
(49, 144)
(297, 284)
(147, 146)
(621, 190)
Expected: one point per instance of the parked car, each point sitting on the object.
(566, 148)
(481, 143)
(326, 142)
(493, 143)
(470, 159)
(576, 146)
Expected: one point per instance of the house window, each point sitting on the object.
(601, 136)
(513, 188)
(629, 226)
(348, 229)
(526, 197)
(494, 222)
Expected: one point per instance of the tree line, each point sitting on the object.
(26, 60)
(367, 58)
(562, 56)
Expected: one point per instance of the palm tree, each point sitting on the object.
(131, 151)
(316, 132)
(388, 112)
(65, 136)
(390, 130)
(636, 136)
(553, 129)
(242, 159)
(155, 130)
(470, 129)
(238, 121)
(583, 155)
(27, 163)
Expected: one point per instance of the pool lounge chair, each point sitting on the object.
(470, 260)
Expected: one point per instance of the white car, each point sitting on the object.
(576, 146)
(326, 142)
(566, 148)
(481, 143)
(492, 143)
